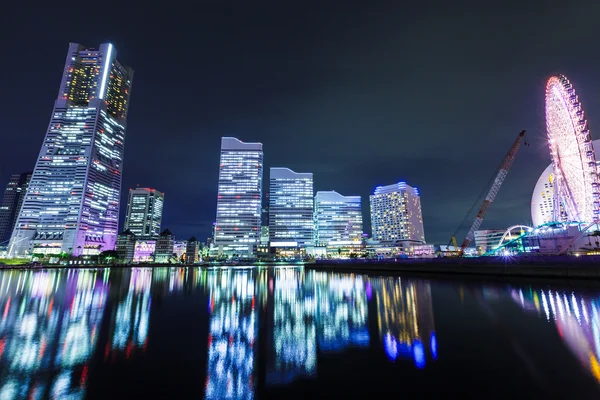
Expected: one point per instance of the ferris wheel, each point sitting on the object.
(575, 171)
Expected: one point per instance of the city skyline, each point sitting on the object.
(321, 108)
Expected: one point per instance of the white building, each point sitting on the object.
(338, 220)
(72, 202)
(144, 212)
(487, 239)
(396, 214)
(237, 229)
(290, 209)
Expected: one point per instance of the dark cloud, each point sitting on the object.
(364, 94)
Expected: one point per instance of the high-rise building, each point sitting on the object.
(144, 212)
(290, 209)
(72, 204)
(338, 220)
(237, 230)
(396, 213)
(11, 203)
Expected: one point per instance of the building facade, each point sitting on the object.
(237, 229)
(144, 212)
(338, 221)
(290, 209)
(487, 239)
(72, 204)
(14, 194)
(396, 214)
(126, 246)
(192, 254)
(164, 247)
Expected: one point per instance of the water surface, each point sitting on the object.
(288, 332)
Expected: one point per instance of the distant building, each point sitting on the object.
(144, 250)
(144, 212)
(487, 240)
(264, 235)
(290, 210)
(11, 203)
(192, 254)
(164, 247)
(126, 246)
(72, 203)
(180, 249)
(338, 221)
(396, 214)
(237, 228)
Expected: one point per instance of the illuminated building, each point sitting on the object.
(290, 210)
(164, 247)
(11, 203)
(192, 253)
(487, 240)
(396, 214)
(144, 250)
(126, 246)
(144, 212)
(338, 220)
(179, 249)
(237, 229)
(72, 203)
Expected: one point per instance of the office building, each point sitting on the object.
(237, 229)
(487, 240)
(396, 214)
(338, 221)
(72, 204)
(164, 247)
(144, 212)
(192, 253)
(11, 204)
(290, 210)
(126, 246)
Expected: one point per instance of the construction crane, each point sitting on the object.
(489, 199)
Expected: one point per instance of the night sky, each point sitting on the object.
(361, 94)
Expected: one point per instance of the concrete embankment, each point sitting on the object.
(551, 267)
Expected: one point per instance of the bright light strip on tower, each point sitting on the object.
(105, 72)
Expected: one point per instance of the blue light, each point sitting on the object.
(433, 342)
(390, 347)
(419, 354)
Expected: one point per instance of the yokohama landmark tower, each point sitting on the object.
(72, 202)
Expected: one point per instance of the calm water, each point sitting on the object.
(288, 332)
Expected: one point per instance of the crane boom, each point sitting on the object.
(489, 199)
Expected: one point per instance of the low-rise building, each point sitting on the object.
(126, 246)
(164, 247)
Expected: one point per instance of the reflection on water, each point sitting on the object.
(576, 317)
(241, 331)
(48, 331)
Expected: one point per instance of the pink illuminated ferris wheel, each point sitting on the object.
(573, 158)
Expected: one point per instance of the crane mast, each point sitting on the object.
(489, 199)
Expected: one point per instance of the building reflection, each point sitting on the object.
(48, 330)
(293, 334)
(131, 320)
(405, 319)
(232, 334)
(576, 317)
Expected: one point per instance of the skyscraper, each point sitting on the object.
(290, 209)
(72, 204)
(237, 230)
(338, 220)
(396, 213)
(144, 212)
(11, 203)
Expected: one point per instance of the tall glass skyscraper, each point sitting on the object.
(144, 212)
(396, 213)
(14, 194)
(338, 220)
(72, 203)
(290, 209)
(237, 229)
